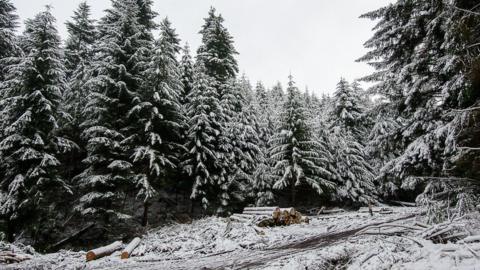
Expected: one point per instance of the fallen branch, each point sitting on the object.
(71, 237)
(103, 251)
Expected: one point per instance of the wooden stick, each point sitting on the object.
(127, 252)
(72, 237)
(103, 251)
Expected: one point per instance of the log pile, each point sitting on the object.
(270, 216)
(7, 257)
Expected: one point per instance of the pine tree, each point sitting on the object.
(117, 77)
(263, 175)
(186, 72)
(160, 117)
(32, 89)
(299, 158)
(276, 99)
(348, 111)
(79, 51)
(243, 136)
(82, 35)
(217, 52)
(203, 162)
(8, 26)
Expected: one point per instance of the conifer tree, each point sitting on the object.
(117, 77)
(186, 72)
(263, 175)
(8, 26)
(348, 111)
(160, 117)
(31, 106)
(78, 47)
(79, 51)
(299, 158)
(217, 52)
(203, 162)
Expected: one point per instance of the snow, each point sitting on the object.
(214, 242)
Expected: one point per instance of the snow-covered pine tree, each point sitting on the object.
(217, 52)
(8, 26)
(263, 176)
(146, 17)
(348, 113)
(81, 36)
(203, 163)
(159, 115)
(186, 72)
(8, 46)
(356, 178)
(419, 72)
(79, 53)
(347, 128)
(404, 50)
(276, 99)
(245, 152)
(299, 158)
(32, 93)
(118, 71)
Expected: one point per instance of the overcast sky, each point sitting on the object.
(316, 40)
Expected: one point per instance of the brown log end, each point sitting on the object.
(90, 256)
(125, 255)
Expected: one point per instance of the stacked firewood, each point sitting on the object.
(270, 216)
(7, 257)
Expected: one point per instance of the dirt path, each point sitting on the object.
(251, 259)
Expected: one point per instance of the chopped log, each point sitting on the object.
(473, 238)
(103, 251)
(71, 237)
(10, 257)
(126, 252)
(239, 219)
(271, 209)
(409, 204)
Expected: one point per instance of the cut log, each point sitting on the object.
(271, 209)
(10, 257)
(103, 251)
(409, 204)
(473, 238)
(127, 252)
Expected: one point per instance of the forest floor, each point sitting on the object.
(332, 241)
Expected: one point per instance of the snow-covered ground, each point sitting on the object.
(328, 242)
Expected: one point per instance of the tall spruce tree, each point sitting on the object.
(79, 52)
(8, 26)
(419, 69)
(116, 80)
(203, 163)
(263, 176)
(348, 111)
(159, 115)
(217, 52)
(31, 186)
(299, 158)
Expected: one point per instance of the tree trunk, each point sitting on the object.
(146, 205)
(293, 191)
(10, 232)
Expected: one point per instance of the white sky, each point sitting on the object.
(317, 40)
